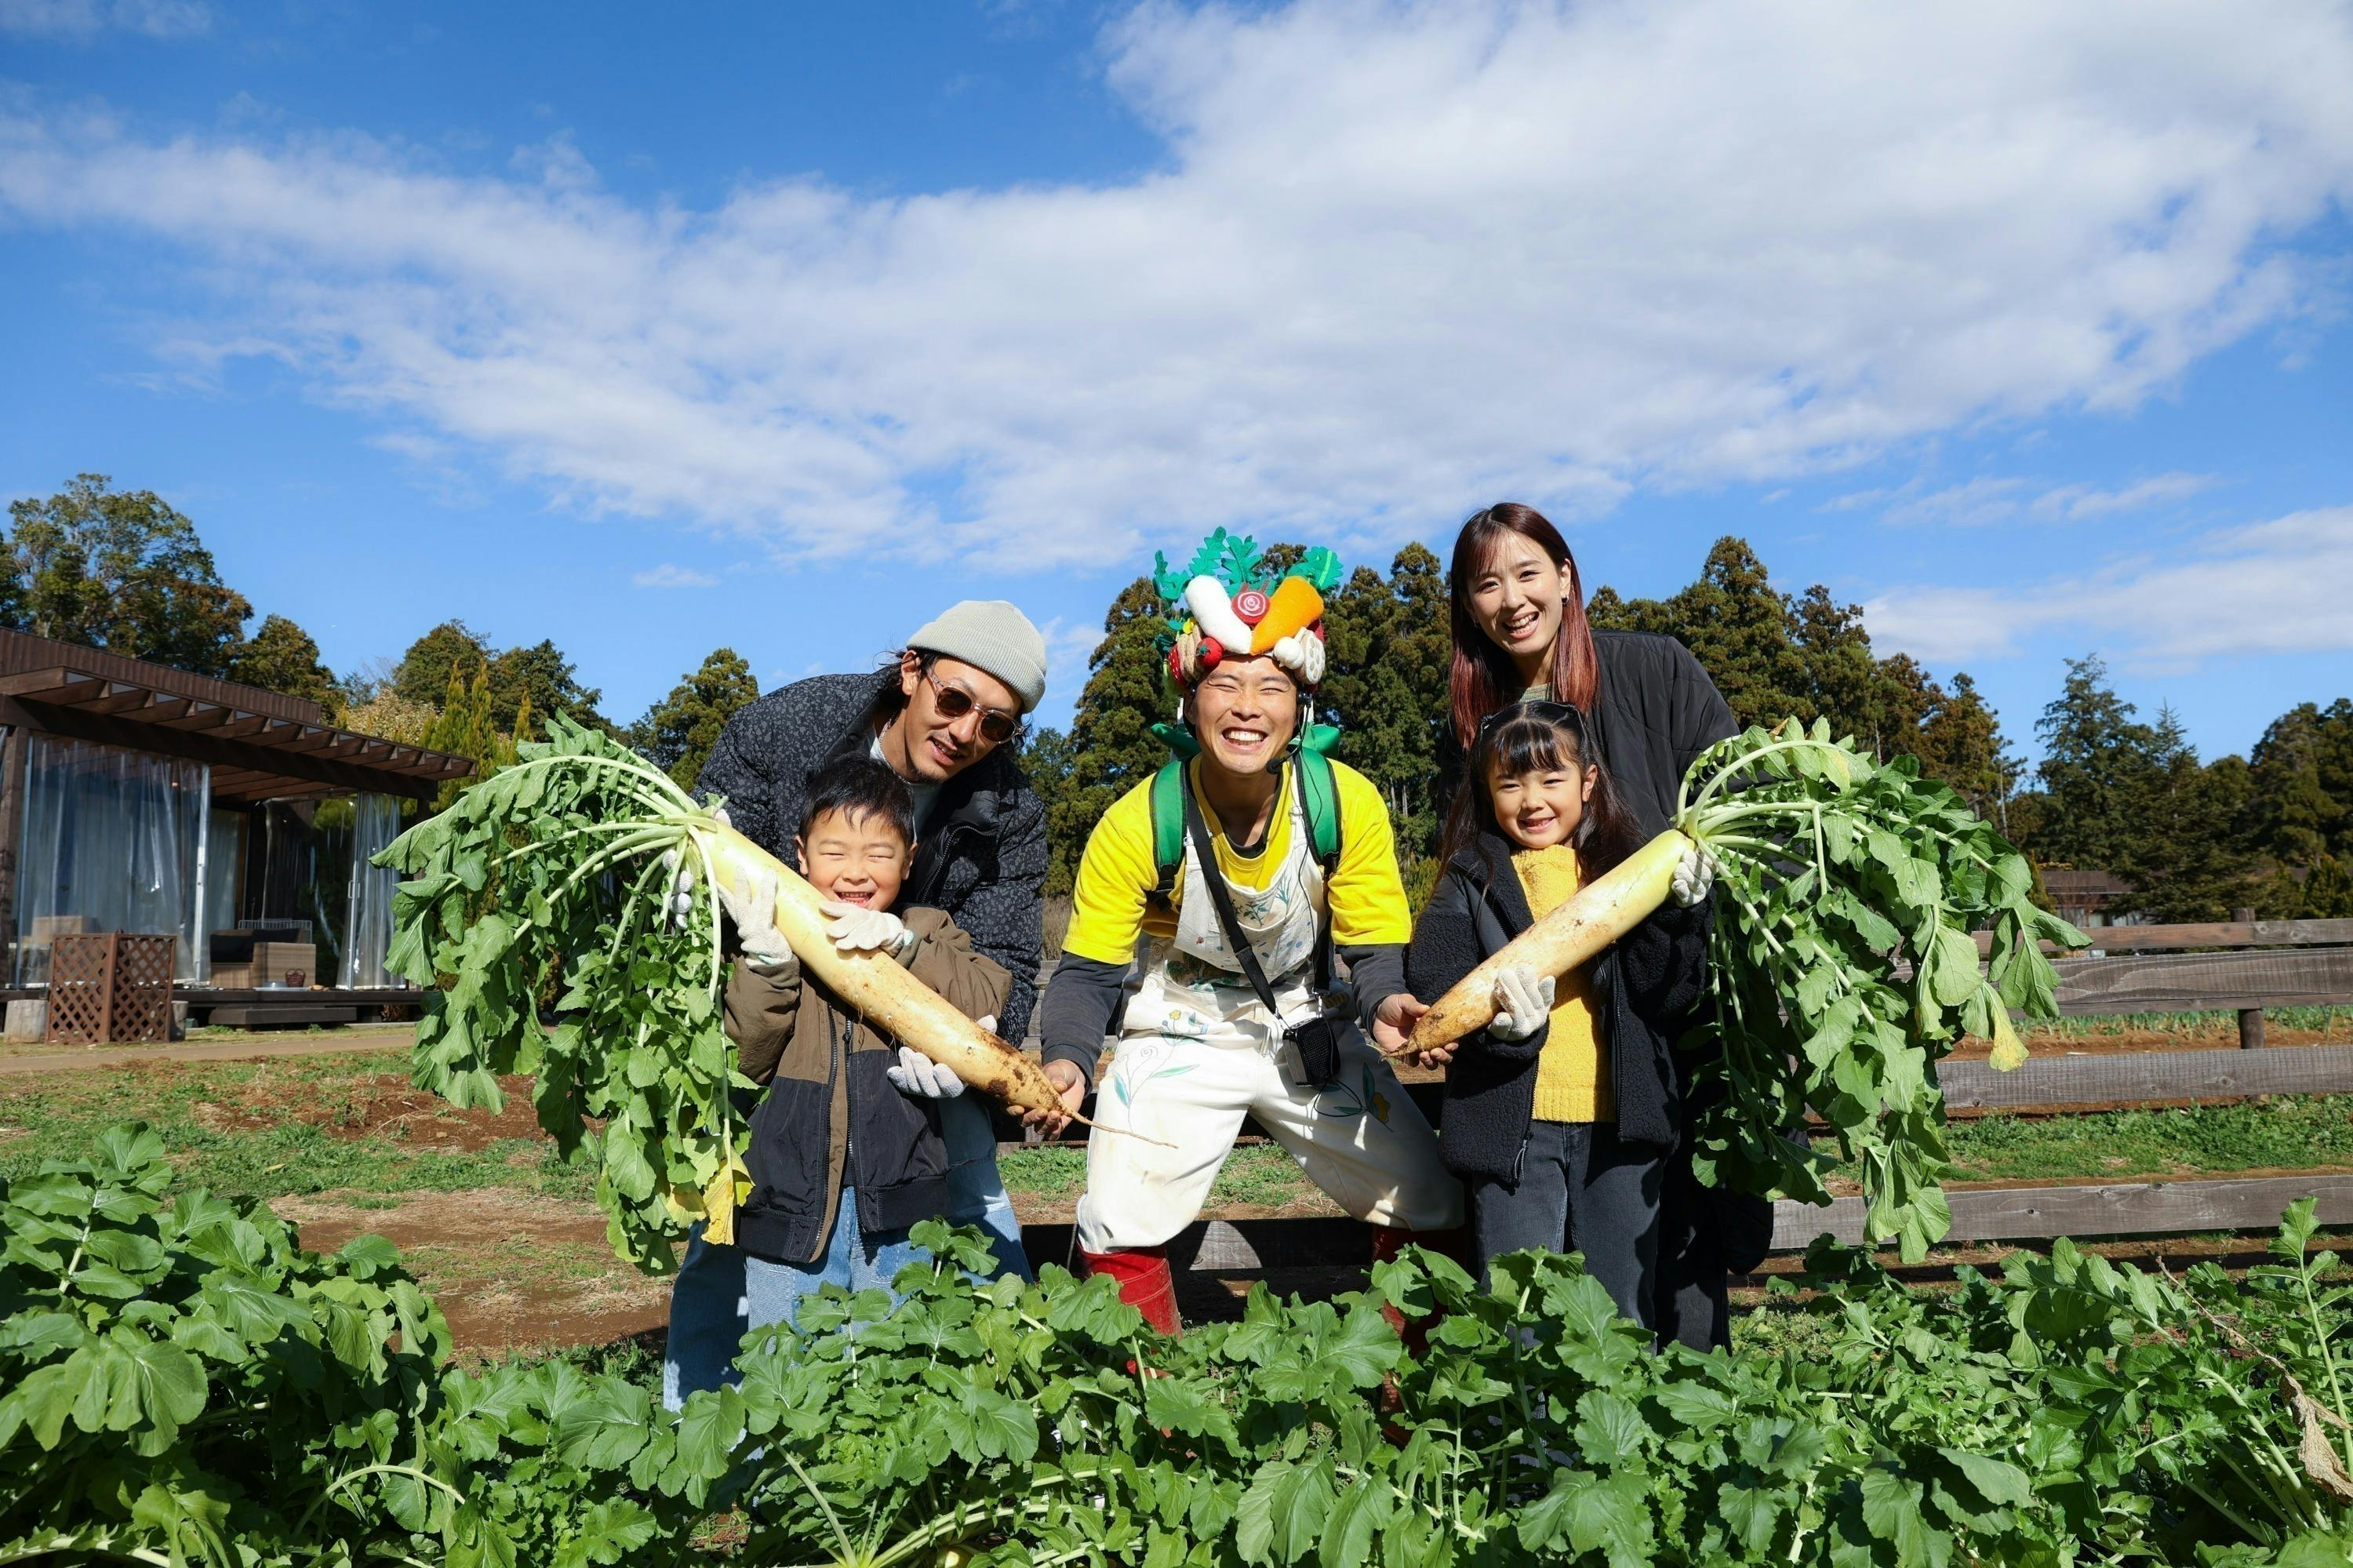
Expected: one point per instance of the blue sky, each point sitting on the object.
(779, 326)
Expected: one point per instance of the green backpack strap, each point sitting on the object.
(1168, 830)
(1318, 791)
(1321, 794)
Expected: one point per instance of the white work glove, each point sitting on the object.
(918, 1075)
(679, 873)
(857, 931)
(1695, 875)
(1523, 1002)
(753, 910)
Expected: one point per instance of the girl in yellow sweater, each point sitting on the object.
(1561, 1114)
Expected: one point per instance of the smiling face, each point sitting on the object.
(857, 857)
(922, 744)
(1245, 711)
(1541, 807)
(1516, 601)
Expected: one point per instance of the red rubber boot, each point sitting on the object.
(1145, 1283)
(1390, 1240)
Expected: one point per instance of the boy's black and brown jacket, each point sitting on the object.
(830, 1118)
(1643, 989)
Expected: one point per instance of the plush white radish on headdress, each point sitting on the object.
(1286, 624)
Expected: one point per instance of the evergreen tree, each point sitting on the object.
(2185, 862)
(676, 732)
(1960, 741)
(1744, 635)
(543, 675)
(2098, 772)
(465, 729)
(2303, 784)
(1046, 758)
(120, 570)
(281, 657)
(424, 671)
(1112, 746)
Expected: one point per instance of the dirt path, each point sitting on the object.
(209, 1047)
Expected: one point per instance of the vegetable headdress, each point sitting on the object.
(1225, 603)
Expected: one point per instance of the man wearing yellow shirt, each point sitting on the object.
(1205, 1041)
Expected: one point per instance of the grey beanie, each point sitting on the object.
(990, 634)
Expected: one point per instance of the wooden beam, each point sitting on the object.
(201, 716)
(118, 699)
(52, 685)
(2048, 1080)
(2216, 934)
(218, 750)
(160, 706)
(240, 723)
(2189, 982)
(2103, 1209)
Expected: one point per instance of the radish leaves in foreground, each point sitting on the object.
(1842, 966)
(547, 878)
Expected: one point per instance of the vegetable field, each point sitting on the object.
(182, 1384)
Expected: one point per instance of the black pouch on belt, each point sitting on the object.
(1317, 1040)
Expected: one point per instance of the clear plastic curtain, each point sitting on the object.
(376, 824)
(306, 874)
(114, 841)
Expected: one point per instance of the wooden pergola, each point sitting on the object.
(259, 745)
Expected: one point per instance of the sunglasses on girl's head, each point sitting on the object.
(997, 725)
(1565, 715)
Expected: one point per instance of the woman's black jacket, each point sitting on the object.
(1643, 987)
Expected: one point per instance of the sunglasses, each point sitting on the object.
(1563, 714)
(997, 725)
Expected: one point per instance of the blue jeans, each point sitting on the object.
(721, 1291)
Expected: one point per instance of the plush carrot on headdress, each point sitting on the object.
(1223, 604)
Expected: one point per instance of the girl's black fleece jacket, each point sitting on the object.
(1644, 988)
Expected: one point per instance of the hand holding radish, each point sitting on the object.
(1394, 1019)
(857, 929)
(1523, 1001)
(752, 908)
(1694, 877)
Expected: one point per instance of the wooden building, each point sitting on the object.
(138, 798)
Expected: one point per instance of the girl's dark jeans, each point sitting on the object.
(1580, 1189)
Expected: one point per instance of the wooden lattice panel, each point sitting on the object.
(81, 984)
(109, 988)
(142, 988)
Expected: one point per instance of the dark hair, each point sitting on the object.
(861, 787)
(1536, 738)
(894, 698)
(1482, 676)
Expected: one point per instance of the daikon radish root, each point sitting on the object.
(1842, 963)
(879, 988)
(539, 911)
(1573, 934)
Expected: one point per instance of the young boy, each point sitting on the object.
(846, 1150)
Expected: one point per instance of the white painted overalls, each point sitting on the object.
(1199, 1051)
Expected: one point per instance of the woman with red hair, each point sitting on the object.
(1520, 635)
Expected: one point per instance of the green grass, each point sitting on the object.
(2329, 1019)
(2307, 1132)
(198, 1106)
(1261, 1174)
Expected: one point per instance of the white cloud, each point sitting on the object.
(83, 19)
(1989, 500)
(1069, 646)
(1399, 260)
(670, 576)
(2268, 588)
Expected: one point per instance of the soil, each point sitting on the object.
(379, 1103)
(508, 1270)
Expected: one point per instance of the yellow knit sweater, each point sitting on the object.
(1572, 1076)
